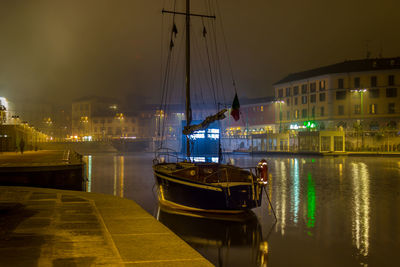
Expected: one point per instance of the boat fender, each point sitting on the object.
(262, 168)
(192, 172)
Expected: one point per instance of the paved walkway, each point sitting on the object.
(48, 227)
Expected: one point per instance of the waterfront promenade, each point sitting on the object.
(49, 227)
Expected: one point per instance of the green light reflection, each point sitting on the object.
(311, 201)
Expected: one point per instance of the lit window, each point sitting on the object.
(322, 85)
(373, 108)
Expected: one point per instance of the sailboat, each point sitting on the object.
(205, 186)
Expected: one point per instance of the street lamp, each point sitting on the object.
(361, 91)
(280, 102)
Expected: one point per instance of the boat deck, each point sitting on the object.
(210, 173)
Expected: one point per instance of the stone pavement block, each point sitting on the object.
(12, 195)
(85, 205)
(75, 210)
(43, 196)
(87, 233)
(82, 249)
(20, 256)
(123, 213)
(41, 212)
(78, 218)
(74, 261)
(153, 247)
(46, 203)
(172, 263)
(78, 226)
(135, 226)
(24, 240)
(68, 198)
(37, 226)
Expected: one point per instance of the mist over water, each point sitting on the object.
(331, 211)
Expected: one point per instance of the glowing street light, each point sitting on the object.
(361, 91)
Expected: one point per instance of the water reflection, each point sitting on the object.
(336, 211)
(310, 202)
(361, 208)
(88, 166)
(296, 189)
(281, 196)
(227, 241)
(119, 176)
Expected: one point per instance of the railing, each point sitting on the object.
(168, 152)
(71, 156)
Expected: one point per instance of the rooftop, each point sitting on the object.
(369, 64)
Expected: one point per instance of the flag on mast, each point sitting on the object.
(235, 112)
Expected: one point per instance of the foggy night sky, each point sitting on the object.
(57, 51)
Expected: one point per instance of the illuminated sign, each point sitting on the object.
(310, 124)
(198, 135)
(201, 134)
(203, 143)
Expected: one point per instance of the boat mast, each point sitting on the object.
(187, 14)
(188, 106)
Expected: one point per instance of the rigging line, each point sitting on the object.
(213, 88)
(164, 94)
(226, 46)
(162, 50)
(178, 60)
(194, 78)
(164, 100)
(216, 53)
(205, 65)
(218, 62)
(197, 69)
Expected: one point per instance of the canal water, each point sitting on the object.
(331, 211)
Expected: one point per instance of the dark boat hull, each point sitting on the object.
(190, 195)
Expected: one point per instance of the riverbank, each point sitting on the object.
(49, 227)
(355, 153)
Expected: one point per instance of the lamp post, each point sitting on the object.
(280, 102)
(359, 128)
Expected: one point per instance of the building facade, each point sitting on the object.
(360, 97)
(257, 116)
(98, 118)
